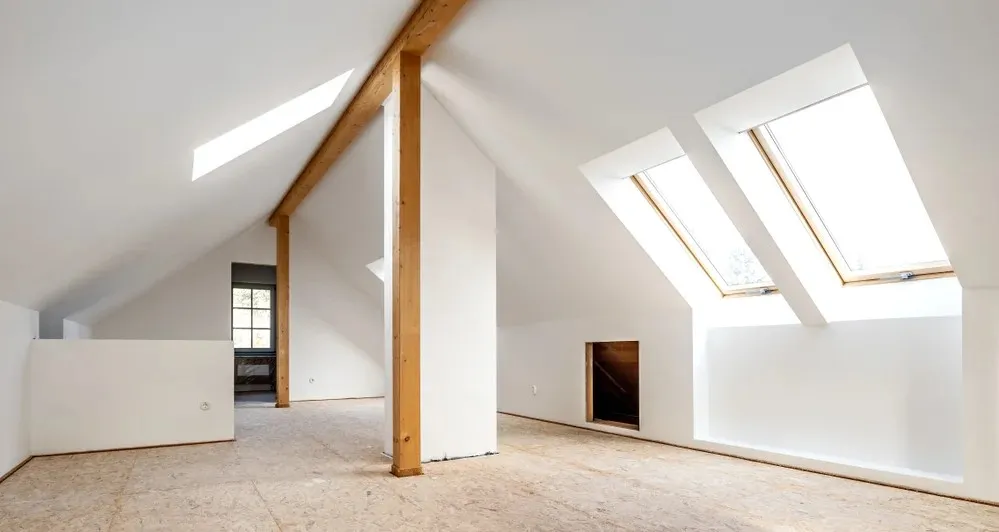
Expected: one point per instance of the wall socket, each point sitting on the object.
(205, 405)
(534, 389)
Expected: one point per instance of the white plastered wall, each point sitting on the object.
(18, 327)
(457, 291)
(93, 395)
(335, 344)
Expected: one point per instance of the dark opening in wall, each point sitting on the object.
(612, 383)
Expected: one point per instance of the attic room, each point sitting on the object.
(499, 265)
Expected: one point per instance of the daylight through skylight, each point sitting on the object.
(841, 166)
(244, 138)
(692, 211)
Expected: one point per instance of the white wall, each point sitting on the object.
(18, 327)
(884, 393)
(457, 290)
(336, 346)
(89, 395)
(336, 343)
(881, 399)
(195, 302)
(552, 356)
(72, 330)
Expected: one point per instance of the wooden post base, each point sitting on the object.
(411, 472)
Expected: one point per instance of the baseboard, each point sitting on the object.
(338, 399)
(140, 448)
(767, 462)
(13, 470)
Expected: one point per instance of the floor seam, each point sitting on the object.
(119, 500)
(266, 506)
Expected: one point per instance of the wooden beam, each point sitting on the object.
(427, 22)
(403, 110)
(283, 299)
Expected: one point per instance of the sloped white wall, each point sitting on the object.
(335, 330)
(18, 327)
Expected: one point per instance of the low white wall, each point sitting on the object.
(18, 327)
(552, 356)
(89, 395)
(880, 399)
(885, 393)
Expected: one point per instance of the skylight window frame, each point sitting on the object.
(769, 149)
(672, 221)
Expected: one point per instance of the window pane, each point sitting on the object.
(682, 189)
(261, 299)
(241, 297)
(241, 338)
(845, 159)
(262, 338)
(261, 318)
(241, 318)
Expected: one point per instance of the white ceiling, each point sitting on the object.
(103, 104)
(585, 77)
(109, 101)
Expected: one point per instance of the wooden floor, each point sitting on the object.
(318, 466)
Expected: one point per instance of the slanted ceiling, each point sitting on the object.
(104, 102)
(108, 101)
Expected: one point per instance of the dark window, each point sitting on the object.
(253, 318)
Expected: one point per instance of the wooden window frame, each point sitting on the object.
(683, 235)
(772, 155)
(250, 351)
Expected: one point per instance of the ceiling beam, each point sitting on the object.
(427, 22)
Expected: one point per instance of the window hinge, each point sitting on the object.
(767, 290)
(900, 276)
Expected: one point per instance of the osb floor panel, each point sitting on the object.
(318, 466)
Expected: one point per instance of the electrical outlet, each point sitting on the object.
(534, 389)
(205, 405)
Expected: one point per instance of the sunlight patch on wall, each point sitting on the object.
(219, 151)
(378, 268)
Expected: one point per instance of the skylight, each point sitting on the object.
(841, 167)
(225, 148)
(688, 207)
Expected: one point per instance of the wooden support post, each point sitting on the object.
(283, 300)
(404, 110)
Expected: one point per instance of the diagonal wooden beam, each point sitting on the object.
(427, 22)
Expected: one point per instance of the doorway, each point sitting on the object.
(253, 322)
(612, 375)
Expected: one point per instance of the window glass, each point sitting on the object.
(261, 338)
(841, 156)
(241, 318)
(699, 214)
(241, 338)
(251, 318)
(241, 297)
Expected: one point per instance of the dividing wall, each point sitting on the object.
(94, 395)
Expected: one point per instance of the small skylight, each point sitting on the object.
(221, 150)
(378, 268)
(840, 165)
(689, 208)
